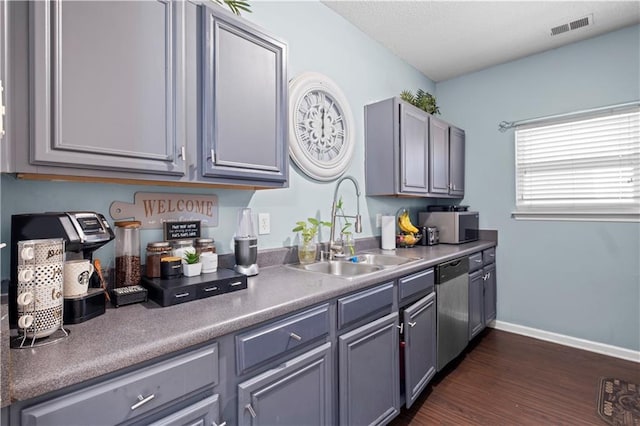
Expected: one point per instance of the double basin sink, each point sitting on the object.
(358, 265)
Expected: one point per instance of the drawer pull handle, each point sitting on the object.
(477, 261)
(142, 400)
(412, 324)
(219, 424)
(210, 289)
(251, 410)
(236, 283)
(294, 336)
(178, 296)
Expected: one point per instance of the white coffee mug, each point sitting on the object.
(76, 277)
(209, 262)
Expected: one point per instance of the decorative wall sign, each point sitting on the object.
(152, 209)
(179, 230)
(321, 132)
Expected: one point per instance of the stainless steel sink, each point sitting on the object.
(340, 268)
(383, 260)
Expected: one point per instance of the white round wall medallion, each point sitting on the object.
(321, 129)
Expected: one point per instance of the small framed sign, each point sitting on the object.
(180, 230)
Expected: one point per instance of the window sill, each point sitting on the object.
(578, 216)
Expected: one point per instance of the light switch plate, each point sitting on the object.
(264, 223)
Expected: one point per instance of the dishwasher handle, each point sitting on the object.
(452, 269)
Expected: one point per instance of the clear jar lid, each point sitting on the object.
(159, 246)
(182, 243)
(204, 242)
(128, 224)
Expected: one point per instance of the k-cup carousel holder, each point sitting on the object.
(39, 300)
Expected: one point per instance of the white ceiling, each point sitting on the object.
(445, 39)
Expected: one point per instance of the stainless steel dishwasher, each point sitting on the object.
(452, 292)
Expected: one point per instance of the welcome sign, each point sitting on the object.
(153, 209)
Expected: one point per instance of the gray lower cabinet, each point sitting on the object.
(419, 325)
(476, 303)
(107, 85)
(134, 396)
(369, 383)
(490, 302)
(298, 392)
(203, 413)
(244, 100)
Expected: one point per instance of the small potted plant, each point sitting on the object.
(191, 265)
(308, 248)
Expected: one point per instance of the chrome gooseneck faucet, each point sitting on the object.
(335, 249)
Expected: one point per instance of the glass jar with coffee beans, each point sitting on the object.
(128, 263)
(155, 252)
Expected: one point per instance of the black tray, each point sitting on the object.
(171, 291)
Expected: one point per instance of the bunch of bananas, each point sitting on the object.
(410, 234)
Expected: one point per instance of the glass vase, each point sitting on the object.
(307, 252)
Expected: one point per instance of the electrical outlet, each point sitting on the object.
(264, 223)
(378, 220)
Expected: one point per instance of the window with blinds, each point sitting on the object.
(587, 165)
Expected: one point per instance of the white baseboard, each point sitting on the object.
(574, 342)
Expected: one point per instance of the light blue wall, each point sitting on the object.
(580, 279)
(319, 40)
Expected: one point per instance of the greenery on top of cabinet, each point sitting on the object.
(423, 100)
(236, 5)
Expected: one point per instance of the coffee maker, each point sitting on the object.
(245, 245)
(83, 233)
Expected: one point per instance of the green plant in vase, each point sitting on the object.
(191, 266)
(308, 230)
(346, 236)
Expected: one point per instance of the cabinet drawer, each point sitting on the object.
(475, 261)
(280, 337)
(415, 284)
(489, 256)
(365, 303)
(128, 396)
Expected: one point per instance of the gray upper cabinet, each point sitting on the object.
(107, 85)
(396, 144)
(412, 153)
(439, 155)
(456, 161)
(298, 392)
(244, 118)
(446, 159)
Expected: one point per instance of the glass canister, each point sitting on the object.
(128, 263)
(205, 245)
(180, 247)
(155, 252)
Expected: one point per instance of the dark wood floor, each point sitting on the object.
(508, 379)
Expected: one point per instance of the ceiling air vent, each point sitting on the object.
(573, 25)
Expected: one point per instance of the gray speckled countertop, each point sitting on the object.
(132, 334)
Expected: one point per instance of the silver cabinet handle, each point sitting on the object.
(412, 324)
(182, 152)
(477, 261)
(236, 283)
(178, 296)
(218, 424)
(401, 327)
(206, 290)
(251, 411)
(294, 336)
(488, 275)
(212, 155)
(142, 400)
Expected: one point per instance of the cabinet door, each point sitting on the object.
(369, 382)
(203, 413)
(490, 302)
(456, 161)
(438, 156)
(414, 140)
(244, 100)
(299, 392)
(107, 85)
(476, 303)
(420, 346)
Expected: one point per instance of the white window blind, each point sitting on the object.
(587, 165)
